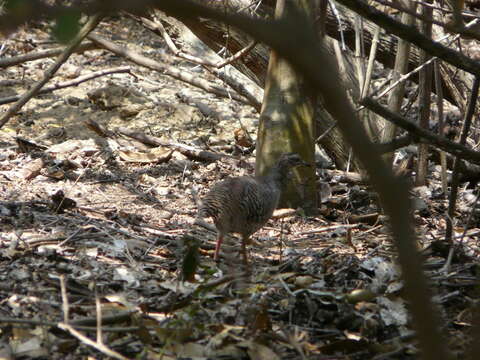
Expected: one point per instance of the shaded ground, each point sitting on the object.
(320, 288)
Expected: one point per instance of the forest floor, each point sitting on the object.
(89, 215)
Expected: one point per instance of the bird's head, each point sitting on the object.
(291, 160)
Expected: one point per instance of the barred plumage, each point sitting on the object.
(244, 204)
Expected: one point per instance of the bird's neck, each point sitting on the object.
(278, 175)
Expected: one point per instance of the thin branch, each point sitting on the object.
(238, 55)
(424, 102)
(35, 55)
(65, 307)
(214, 68)
(74, 82)
(100, 347)
(440, 142)
(456, 166)
(371, 62)
(405, 77)
(409, 33)
(415, 14)
(189, 151)
(167, 70)
(306, 55)
(89, 26)
(157, 26)
(98, 310)
(254, 100)
(441, 122)
(65, 326)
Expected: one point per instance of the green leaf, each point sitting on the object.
(16, 7)
(67, 26)
(190, 259)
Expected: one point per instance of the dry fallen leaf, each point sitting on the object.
(157, 155)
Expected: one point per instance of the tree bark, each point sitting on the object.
(395, 99)
(217, 36)
(424, 101)
(287, 124)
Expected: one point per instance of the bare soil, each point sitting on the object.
(85, 217)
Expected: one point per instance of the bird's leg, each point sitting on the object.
(217, 246)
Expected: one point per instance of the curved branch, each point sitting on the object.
(410, 34)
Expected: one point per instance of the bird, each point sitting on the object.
(244, 204)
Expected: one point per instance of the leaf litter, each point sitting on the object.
(114, 220)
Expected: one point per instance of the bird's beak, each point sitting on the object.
(303, 163)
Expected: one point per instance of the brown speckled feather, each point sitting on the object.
(244, 204)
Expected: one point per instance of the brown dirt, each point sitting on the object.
(124, 232)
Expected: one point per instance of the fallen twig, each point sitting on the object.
(167, 70)
(189, 151)
(99, 346)
(451, 147)
(330, 228)
(9, 320)
(74, 82)
(15, 60)
(89, 26)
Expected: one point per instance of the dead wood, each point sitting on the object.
(215, 68)
(187, 150)
(159, 296)
(412, 35)
(74, 82)
(346, 177)
(370, 219)
(440, 142)
(166, 69)
(100, 130)
(89, 26)
(452, 199)
(126, 329)
(16, 60)
(340, 28)
(255, 64)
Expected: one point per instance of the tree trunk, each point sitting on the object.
(395, 99)
(287, 124)
(255, 65)
(217, 36)
(424, 100)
